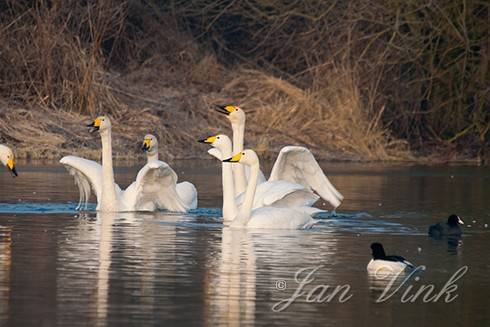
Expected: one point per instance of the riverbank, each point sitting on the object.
(180, 111)
(160, 69)
(179, 118)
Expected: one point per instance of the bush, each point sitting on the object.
(369, 78)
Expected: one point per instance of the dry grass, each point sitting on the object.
(371, 81)
(50, 54)
(332, 121)
(420, 66)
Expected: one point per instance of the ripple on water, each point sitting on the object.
(210, 218)
(364, 223)
(70, 207)
(41, 208)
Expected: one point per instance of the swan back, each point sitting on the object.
(278, 218)
(281, 194)
(155, 187)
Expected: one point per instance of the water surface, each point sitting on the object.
(62, 267)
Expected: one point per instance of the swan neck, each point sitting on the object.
(246, 210)
(108, 201)
(239, 170)
(152, 156)
(229, 206)
(238, 136)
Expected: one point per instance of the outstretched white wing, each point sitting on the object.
(88, 176)
(297, 164)
(155, 187)
(281, 194)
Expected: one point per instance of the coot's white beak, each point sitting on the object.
(460, 221)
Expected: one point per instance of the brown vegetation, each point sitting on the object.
(370, 79)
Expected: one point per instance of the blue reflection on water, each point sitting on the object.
(354, 222)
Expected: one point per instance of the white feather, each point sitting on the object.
(265, 217)
(281, 194)
(294, 164)
(155, 186)
(297, 164)
(278, 218)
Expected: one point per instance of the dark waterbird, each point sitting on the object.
(386, 263)
(449, 228)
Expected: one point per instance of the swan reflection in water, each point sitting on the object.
(106, 220)
(232, 289)
(88, 250)
(133, 244)
(5, 266)
(83, 272)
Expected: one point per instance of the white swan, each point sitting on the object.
(237, 118)
(154, 188)
(294, 164)
(270, 193)
(264, 217)
(186, 190)
(7, 158)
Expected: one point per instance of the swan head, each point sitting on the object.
(234, 114)
(7, 158)
(101, 123)
(246, 157)
(220, 141)
(150, 144)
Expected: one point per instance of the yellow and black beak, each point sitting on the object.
(225, 110)
(11, 167)
(209, 140)
(235, 158)
(146, 145)
(94, 126)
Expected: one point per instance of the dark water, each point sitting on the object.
(60, 267)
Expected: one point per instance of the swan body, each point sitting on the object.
(154, 187)
(382, 265)
(281, 194)
(294, 164)
(265, 217)
(186, 191)
(278, 218)
(277, 193)
(7, 158)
